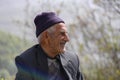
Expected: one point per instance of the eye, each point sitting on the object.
(62, 33)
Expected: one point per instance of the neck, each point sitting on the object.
(48, 51)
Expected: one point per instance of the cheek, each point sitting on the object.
(57, 42)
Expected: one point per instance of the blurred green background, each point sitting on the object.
(94, 30)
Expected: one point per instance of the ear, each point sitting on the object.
(46, 35)
(44, 40)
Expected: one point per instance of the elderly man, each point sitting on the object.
(48, 60)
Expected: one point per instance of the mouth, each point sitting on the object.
(62, 44)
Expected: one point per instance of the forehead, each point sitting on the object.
(60, 27)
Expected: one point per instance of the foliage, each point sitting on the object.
(11, 46)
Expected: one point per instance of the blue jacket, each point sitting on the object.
(33, 65)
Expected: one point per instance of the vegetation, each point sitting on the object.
(11, 46)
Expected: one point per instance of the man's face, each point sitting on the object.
(58, 38)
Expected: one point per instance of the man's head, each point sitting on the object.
(52, 34)
(45, 20)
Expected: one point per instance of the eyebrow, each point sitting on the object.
(63, 31)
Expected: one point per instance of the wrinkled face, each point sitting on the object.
(58, 38)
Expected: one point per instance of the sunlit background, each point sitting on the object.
(94, 29)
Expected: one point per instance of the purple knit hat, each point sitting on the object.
(45, 20)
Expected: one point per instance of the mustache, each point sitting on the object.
(63, 42)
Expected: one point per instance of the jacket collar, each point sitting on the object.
(65, 60)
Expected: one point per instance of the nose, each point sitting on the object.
(66, 38)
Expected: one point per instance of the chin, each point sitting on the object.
(62, 50)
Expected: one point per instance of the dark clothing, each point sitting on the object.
(54, 70)
(33, 65)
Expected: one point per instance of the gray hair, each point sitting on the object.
(49, 30)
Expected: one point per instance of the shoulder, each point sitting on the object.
(27, 56)
(29, 52)
(71, 57)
